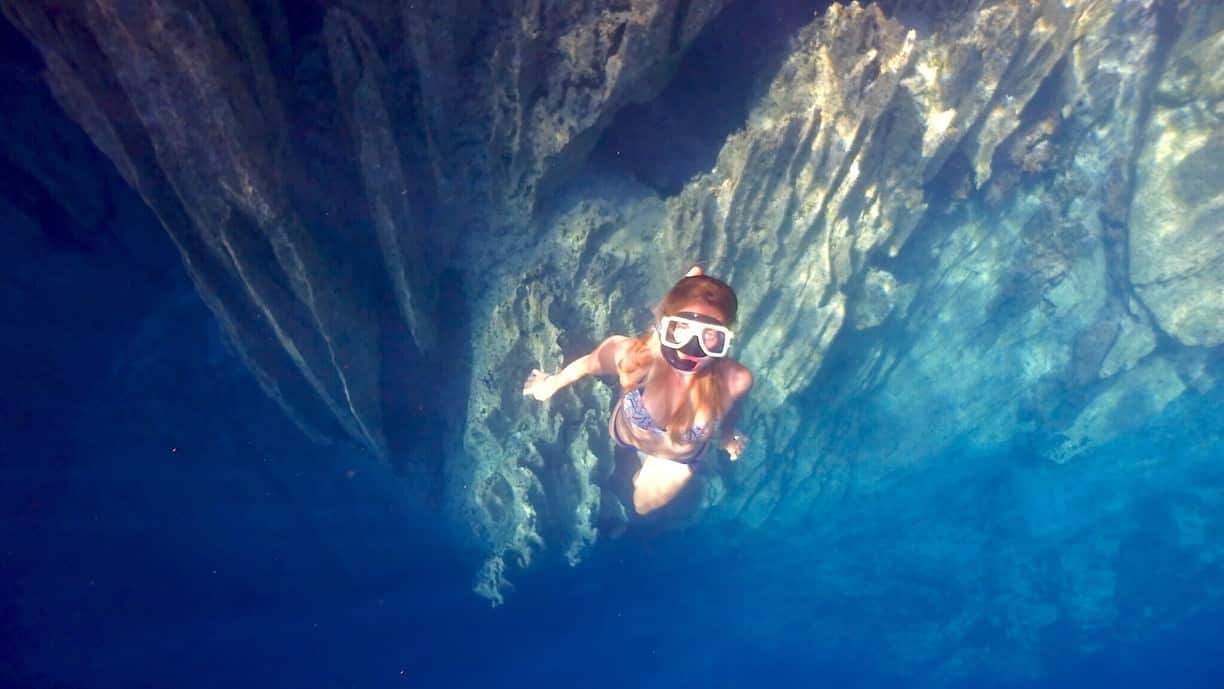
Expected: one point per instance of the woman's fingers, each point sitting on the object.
(532, 380)
(536, 385)
(735, 446)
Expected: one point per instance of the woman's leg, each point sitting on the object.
(657, 482)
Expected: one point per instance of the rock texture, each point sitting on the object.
(957, 230)
(961, 199)
(1177, 238)
(311, 167)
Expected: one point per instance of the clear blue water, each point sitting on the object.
(214, 546)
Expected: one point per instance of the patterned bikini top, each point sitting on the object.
(639, 415)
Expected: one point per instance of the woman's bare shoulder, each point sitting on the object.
(610, 352)
(738, 378)
(619, 344)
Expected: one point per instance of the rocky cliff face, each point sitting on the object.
(956, 229)
(310, 163)
(947, 213)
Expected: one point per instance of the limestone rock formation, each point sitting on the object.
(1177, 237)
(297, 160)
(183, 100)
(974, 231)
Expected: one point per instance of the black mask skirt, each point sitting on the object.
(672, 358)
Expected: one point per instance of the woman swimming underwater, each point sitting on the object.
(679, 389)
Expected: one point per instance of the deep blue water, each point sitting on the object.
(183, 534)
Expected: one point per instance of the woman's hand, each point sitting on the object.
(735, 445)
(539, 385)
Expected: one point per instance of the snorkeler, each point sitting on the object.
(678, 386)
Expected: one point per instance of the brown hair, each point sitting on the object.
(641, 361)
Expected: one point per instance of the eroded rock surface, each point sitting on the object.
(929, 265)
(1177, 221)
(296, 160)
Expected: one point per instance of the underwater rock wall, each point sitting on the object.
(310, 163)
(1177, 236)
(987, 227)
(947, 215)
(183, 101)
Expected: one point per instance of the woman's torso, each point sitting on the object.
(636, 418)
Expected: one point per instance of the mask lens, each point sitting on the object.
(713, 341)
(676, 333)
(680, 333)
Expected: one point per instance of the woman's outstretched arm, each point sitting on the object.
(600, 362)
(730, 439)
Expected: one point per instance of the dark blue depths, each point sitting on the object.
(177, 531)
(165, 526)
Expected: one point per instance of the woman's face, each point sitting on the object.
(686, 362)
